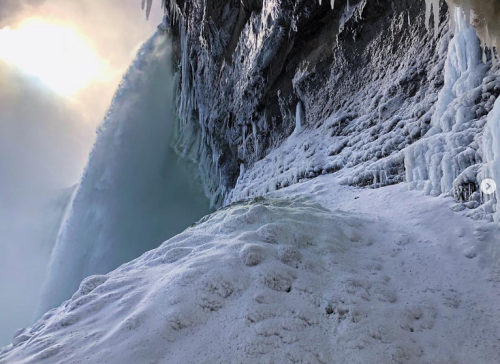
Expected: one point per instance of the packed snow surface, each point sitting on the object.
(314, 273)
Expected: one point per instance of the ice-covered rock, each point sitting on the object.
(244, 69)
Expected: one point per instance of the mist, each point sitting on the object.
(45, 140)
(42, 150)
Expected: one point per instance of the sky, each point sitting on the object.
(60, 63)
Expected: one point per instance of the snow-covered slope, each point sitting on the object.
(283, 279)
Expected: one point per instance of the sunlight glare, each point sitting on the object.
(54, 53)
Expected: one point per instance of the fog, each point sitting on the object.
(45, 139)
(42, 149)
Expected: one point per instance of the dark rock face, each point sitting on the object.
(245, 65)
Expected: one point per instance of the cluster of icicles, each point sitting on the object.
(483, 14)
(332, 3)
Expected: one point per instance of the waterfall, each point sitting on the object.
(135, 193)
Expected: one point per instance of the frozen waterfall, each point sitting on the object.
(436, 161)
(134, 193)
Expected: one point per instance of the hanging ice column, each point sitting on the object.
(443, 154)
(491, 148)
(134, 193)
(299, 118)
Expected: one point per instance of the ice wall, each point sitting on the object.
(134, 193)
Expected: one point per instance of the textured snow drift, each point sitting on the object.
(284, 280)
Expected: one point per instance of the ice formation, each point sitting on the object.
(432, 7)
(128, 199)
(147, 7)
(485, 16)
(332, 3)
(299, 118)
(438, 159)
(433, 143)
(491, 145)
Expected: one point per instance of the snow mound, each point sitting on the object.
(277, 280)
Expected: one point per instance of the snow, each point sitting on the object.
(314, 273)
(128, 200)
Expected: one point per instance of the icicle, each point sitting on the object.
(483, 45)
(432, 6)
(255, 140)
(299, 118)
(332, 3)
(319, 2)
(435, 9)
(488, 41)
(147, 6)
(466, 8)
(428, 9)
(348, 6)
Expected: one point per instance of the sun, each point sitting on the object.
(56, 54)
